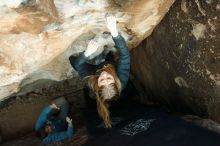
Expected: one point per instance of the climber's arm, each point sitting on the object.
(123, 68)
(79, 62)
(43, 117)
(59, 136)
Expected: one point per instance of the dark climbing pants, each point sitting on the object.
(63, 104)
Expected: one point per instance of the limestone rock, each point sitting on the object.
(36, 40)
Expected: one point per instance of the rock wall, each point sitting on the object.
(179, 64)
(37, 37)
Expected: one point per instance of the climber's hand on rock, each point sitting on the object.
(91, 48)
(111, 25)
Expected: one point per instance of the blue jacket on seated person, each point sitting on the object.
(61, 129)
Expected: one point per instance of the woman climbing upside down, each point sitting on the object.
(106, 80)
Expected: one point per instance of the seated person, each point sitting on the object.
(53, 123)
(106, 80)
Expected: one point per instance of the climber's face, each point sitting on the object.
(105, 78)
(48, 129)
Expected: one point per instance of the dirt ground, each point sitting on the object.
(19, 114)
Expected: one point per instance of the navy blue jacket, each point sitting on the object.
(58, 133)
(123, 65)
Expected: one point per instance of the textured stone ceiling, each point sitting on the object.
(36, 41)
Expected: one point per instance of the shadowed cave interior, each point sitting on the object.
(174, 67)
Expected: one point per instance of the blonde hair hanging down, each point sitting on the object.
(103, 111)
(105, 93)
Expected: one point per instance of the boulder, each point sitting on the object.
(36, 39)
(179, 64)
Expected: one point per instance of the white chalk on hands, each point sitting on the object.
(92, 48)
(111, 25)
